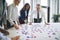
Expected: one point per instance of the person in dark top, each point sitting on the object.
(3, 12)
(24, 13)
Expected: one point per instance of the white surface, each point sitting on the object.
(37, 32)
(12, 33)
(40, 31)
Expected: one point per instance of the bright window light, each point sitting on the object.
(9, 2)
(44, 2)
(28, 1)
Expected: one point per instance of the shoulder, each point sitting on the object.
(32, 12)
(10, 6)
(42, 12)
(22, 10)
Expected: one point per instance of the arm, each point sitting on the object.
(9, 15)
(18, 20)
(10, 10)
(44, 19)
(30, 18)
(4, 31)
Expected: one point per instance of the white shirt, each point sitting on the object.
(25, 13)
(12, 14)
(33, 15)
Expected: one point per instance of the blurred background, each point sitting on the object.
(50, 7)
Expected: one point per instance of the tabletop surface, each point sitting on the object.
(39, 31)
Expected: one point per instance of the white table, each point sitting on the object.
(12, 33)
(39, 31)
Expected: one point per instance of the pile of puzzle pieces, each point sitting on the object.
(38, 32)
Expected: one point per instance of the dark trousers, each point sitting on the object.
(37, 20)
(0, 22)
(9, 25)
(21, 21)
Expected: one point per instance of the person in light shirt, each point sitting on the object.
(37, 16)
(12, 15)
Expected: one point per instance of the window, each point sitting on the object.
(44, 2)
(54, 9)
(28, 1)
(9, 2)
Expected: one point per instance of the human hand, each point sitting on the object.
(16, 27)
(25, 20)
(30, 23)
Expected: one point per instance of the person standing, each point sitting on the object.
(12, 15)
(37, 16)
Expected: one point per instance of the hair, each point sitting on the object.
(24, 8)
(37, 4)
(16, 1)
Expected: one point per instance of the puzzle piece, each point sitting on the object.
(56, 38)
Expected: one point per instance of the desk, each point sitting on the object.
(13, 34)
(39, 31)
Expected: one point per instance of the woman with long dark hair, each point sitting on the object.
(24, 13)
